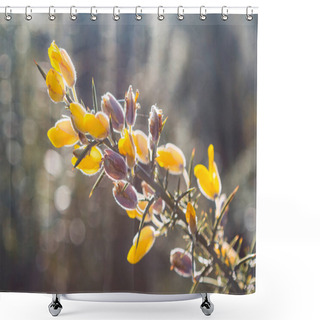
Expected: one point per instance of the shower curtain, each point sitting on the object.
(128, 154)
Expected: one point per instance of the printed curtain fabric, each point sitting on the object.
(128, 154)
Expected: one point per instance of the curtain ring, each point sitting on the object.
(224, 13)
(180, 14)
(116, 16)
(73, 15)
(51, 15)
(93, 16)
(249, 16)
(203, 13)
(7, 16)
(138, 16)
(28, 16)
(160, 15)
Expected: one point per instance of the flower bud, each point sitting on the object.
(181, 262)
(131, 106)
(111, 106)
(114, 165)
(146, 189)
(158, 206)
(56, 87)
(220, 201)
(191, 218)
(67, 69)
(125, 195)
(155, 126)
(62, 63)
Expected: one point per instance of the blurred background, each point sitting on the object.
(203, 76)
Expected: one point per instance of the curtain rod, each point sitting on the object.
(127, 9)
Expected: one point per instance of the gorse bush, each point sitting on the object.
(106, 144)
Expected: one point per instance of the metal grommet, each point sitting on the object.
(93, 16)
(28, 16)
(52, 17)
(249, 16)
(138, 16)
(160, 15)
(73, 15)
(7, 16)
(180, 14)
(224, 13)
(116, 16)
(203, 13)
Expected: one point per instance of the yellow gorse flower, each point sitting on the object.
(54, 56)
(171, 158)
(97, 124)
(63, 134)
(138, 212)
(208, 179)
(191, 218)
(127, 148)
(78, 113)
(146, 241)
(62, 63)
(140, 140)
(55, 85)
(90, 164)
